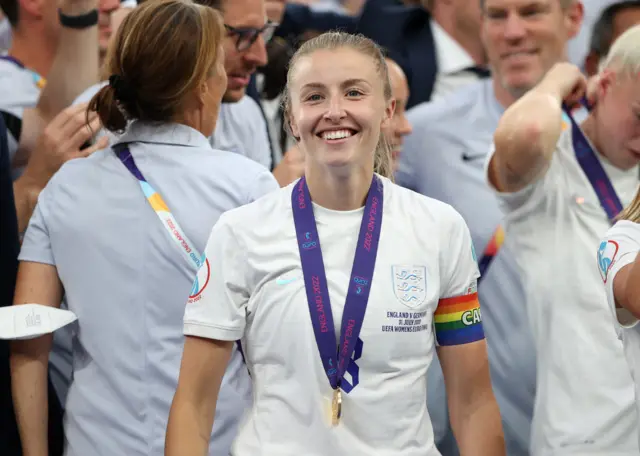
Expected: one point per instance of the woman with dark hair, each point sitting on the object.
(120, 235)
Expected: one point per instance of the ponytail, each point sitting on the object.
(111, 116)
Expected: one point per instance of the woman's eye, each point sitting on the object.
(354, 93)
(314, 97)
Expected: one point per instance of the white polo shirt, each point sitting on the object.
(584, 401)
(127, 282)
(258, 295)
(619, 248)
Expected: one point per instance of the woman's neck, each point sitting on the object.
(344, 190)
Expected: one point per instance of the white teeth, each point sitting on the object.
(336, 134)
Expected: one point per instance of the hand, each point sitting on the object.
(566, 82)
(290, 168)
(62, 140)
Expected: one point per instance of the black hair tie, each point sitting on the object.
(121, 87)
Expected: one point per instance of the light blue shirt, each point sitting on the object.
(242, 129)
(246, 137)
(444, 158)
(128, 282)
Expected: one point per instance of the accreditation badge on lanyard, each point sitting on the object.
(335, 360)
(593, 169)
(160, 207)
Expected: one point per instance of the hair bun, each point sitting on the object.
(122, 89)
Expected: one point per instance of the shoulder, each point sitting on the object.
(618, 248)
(420, 209)
(624, 230)
(274, 206)
(75, 173)
(445, 111)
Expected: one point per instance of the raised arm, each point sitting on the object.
(528, 131)
(191, 418)
(37, 283)
(75, 68)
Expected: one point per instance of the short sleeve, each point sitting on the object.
(264, 183)
(618, 249)
(536, 192)
(515, 200)
(217, 305)
(36, 245)
(458, 319)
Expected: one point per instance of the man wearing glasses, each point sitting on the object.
(241, 125)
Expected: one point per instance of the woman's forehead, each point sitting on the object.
(331, 67)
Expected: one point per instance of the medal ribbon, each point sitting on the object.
(335, 361)
(593, 169)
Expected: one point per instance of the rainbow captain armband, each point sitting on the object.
(458, 320)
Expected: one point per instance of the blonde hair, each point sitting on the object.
(359, 43)
(632, 211)
(162, 51)
(624, 55)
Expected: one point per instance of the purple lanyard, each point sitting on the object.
(593, 169)
(13, 60)
(336, 361)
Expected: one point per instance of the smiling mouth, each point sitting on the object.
(337, 135)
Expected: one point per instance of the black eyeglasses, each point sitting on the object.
(246, 36)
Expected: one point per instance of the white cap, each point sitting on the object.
(28, 321)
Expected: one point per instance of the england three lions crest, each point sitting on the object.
(410, 284)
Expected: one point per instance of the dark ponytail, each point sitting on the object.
(161, 53)
(104, 103)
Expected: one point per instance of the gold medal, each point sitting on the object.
(336, 407)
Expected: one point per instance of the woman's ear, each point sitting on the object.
(389, 110)
(293, 127)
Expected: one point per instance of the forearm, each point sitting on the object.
(476, 424)
(76, 64)
(188, 431)
(526, 138)
(29, 361)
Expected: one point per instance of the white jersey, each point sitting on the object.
(584, 400)
(425, 266)
(618, 249)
